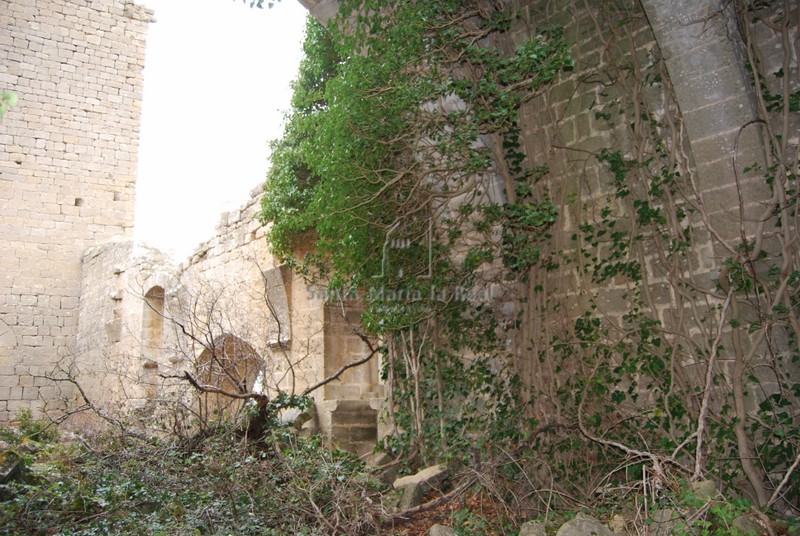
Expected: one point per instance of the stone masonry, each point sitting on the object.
(80, 299)
(565, 128)
(67, 172)
(77, 294)
(145, 321)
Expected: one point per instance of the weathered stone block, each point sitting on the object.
(367, 416)
(9, 381)
(363, 433)
(583, 525)
(532, 528)
(441, 530)
(10, 466)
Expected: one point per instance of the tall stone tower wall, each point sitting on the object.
(67, 172)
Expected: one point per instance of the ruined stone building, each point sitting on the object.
(231, 316)
(78, 297)
(124, 320)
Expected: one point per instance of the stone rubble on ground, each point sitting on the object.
(10, 466)
(705, 490)
(617, 524)
(582, 525)
(441, 530)
(532, 528)
(414, 487)
(747, 525)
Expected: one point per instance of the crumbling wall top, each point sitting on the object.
(322, 10)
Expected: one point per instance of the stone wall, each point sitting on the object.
(67, 172)
(125, 319)
(661, 101)
(316, 333)
(144, 316)
(114, 348)
(272, 303)
(700, 95)
(257, 297)
(145, 321)
(713, 102)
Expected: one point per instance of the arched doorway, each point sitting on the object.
(228, 364)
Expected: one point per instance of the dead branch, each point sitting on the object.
(777, 493)
(93, 407)
(216, 390)
(335, 375)
(404, 517)
(712, 359)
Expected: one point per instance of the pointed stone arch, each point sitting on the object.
(229, 364)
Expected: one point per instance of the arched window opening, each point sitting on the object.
(153, 321)
(231, 365)
(152, 337)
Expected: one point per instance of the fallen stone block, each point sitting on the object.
(10, 466)
(532, 528)
(416, 486)
(584, 525)
(441, 530)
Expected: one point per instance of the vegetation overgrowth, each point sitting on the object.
(223, 481)
(218, 482)
(399, 116)
(403, 181)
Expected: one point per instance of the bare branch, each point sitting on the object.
(216, 390)
(335, 375)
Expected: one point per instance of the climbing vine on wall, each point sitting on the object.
(401, 174)
(687, 370)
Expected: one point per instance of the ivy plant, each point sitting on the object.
(386, 181)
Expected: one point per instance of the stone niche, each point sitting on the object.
(342, 346)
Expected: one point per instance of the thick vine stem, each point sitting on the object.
(618, 283)
(712, 360)
(658, 462)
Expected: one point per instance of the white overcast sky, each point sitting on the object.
(216, 86)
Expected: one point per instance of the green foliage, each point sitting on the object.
(343, 171)
(524, 222)
(258, 3)
(223, 485)
(386, 135)
(402, 174)
(28, 428)
(290, 181)
(629, 362)
(7, 100)
(708, 518)
(465, 522)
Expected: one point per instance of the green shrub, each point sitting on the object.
(223, 484)
(28, 428)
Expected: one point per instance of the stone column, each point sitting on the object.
(697, 39)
